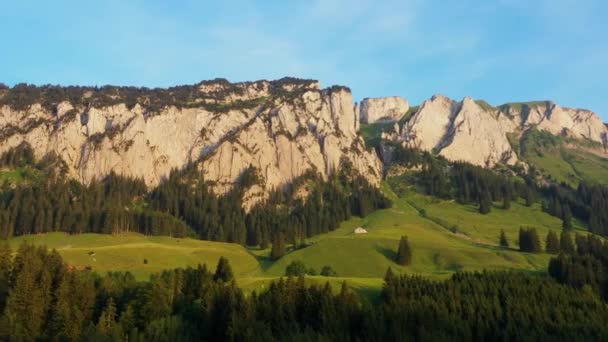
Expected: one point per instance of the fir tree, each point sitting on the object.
(106, 325)
(506, 202)
(566, 217)
(404, 253)
(529, 240)
(485, 202)
(223, 271)
(552, 243)
(389, 275)
(278, 247)
(503, 239)
(566, 243)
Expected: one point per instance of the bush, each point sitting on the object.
(295, 269)
(327, 271)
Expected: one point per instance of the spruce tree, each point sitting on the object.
(529, 240)
(485, 202)
(566, 217)
(278, 246)
(506, 202)
(404, 253)
(503, 239)
(389, 275)
(106, 326)
(552, 243)
(566, 243)
(223, 271)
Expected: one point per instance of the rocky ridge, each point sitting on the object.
(286, 128)
(476, 132)
(384, 109)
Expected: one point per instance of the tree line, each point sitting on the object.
(471, 184)
(41, 298)
(183, 204)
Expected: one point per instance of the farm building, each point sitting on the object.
(360, 230)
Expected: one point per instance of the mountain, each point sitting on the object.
(384, 109)
(282, 128)
(475, 132)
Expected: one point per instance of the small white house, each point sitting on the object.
(360, 230)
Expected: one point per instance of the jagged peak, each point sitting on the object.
(440, 97)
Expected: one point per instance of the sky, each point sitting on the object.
(497, 50)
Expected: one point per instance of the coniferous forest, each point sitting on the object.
(42, 299)
(183, 205)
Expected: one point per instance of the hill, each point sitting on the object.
(446, 237)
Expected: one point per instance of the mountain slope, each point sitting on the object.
(475, 132)
(282, 128)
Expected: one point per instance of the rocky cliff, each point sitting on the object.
(384, 109)
(476, 132)
(281, 128)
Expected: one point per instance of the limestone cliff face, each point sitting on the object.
(284, 130)
(477, 133)
(548, 116)
(384, 109)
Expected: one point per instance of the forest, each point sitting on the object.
(472, 184)
(182, 205)
(43, 299)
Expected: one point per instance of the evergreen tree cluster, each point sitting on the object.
(41, 298)
(182, 205)
(488, 306)
(529, 240)
(464, 182)
(22, 96)
(582, 264)
(68, 206)
(588, 203)
(470, 184)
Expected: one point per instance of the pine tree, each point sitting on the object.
(106, 325)
(278, 247)
(566, 217)
(503, 239)
(506, 202)
(529, 240)
(389, 275)
(566, 243)
(404, 253)
(223, 271)
(552, 244)
(485, 202)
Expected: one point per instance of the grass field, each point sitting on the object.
(127, 252)
(361, 260)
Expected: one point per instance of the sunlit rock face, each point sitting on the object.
(281, 128)
(383, 109)
(475, 132)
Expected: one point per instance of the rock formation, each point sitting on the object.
(384, 109)
(281, 128)
(477, 133)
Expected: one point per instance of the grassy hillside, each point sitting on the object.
(437, 251)
(449, 237)
(563, 160)
(127, 252)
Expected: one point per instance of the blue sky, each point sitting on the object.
(498, 50)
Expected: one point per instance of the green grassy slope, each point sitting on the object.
(562, 159)
(436, 250)
(439, 249)
(127, 252)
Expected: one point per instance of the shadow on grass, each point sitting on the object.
(387, 252)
